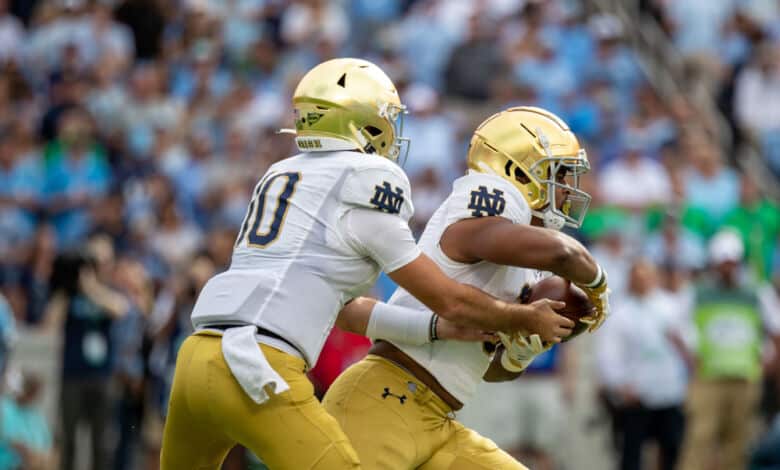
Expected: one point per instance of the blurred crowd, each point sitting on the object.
(732, 47)
(133, 131)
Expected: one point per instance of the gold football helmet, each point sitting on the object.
(349, 104)
(534, 150)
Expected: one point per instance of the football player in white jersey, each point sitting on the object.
(319, 228)
(397, 404)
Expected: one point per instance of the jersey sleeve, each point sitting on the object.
(381, 186)
(384, 238)
(481, 195)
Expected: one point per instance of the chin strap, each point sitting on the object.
(550, 219)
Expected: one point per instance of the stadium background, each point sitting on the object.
(134, 130)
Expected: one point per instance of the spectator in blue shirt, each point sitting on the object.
(7, 333)
(548, 72)
(25, 438)
(76, 174)
(710, 185)
(613, 60)
(422, 26)
(434, 132)
(20, 183)
(201, 75)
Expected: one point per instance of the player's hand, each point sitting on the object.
(599, 297)
(520, 351)
(544, 321)
(446, 329)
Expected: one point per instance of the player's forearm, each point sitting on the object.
(460, 303)
(555, 252)
(574, 262)
(525, 246)
(470, 306)
(368, 317)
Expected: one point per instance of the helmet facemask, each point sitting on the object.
(399, 148)
(553, 173)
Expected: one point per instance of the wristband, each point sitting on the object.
(402, 324)
(599, 278)
(433, 335)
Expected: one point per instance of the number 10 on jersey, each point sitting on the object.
(264, 219)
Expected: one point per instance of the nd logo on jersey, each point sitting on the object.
(483, 203)
(387, 200)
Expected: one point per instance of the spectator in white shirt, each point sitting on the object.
(306, 21)
(635, 181)
(11, 34)
(613, 253)
(643, 368)
(757, 92)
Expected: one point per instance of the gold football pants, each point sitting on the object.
(209, 413)
(396, 423)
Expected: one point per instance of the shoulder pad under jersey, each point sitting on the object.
(483, 195)
(381, 185)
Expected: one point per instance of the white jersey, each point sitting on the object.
(293, 265)
(457, 365)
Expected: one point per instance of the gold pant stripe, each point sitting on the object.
(396, 423)
(209, 413)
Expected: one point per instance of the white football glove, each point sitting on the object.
(520, 351)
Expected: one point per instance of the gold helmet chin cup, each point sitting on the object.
(528, 146)
(349, 104)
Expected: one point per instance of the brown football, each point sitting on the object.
(577, 303)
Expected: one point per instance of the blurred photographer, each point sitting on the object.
(85, 305)
(130, 344)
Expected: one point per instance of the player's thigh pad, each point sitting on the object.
(388, 427)
(190, 438)
(289, 431)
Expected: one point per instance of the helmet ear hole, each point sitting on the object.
(521, 177)
(373, 131)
